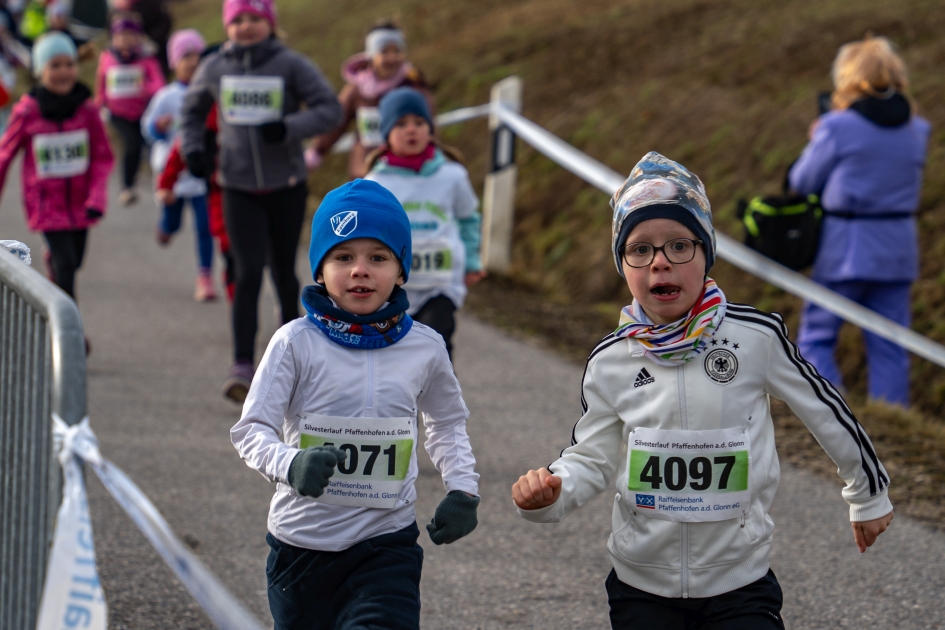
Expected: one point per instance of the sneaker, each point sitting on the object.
(238, 381)
(128, 197)
(204, 291)
(163, 238)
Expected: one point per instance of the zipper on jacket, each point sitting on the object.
(369, 403)
(683, 527)
(252, 131)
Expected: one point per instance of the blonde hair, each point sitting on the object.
(869, 67)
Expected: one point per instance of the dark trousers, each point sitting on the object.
(756, 606)
(375, 584)
(439, 313)
(66, 251)
(133, 141)
(263, 229)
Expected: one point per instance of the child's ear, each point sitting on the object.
(400, 279)
(320, 277)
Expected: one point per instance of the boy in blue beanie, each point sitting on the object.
(331, 417)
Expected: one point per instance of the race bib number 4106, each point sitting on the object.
(689, 476)
(379, 452)
(247, 100)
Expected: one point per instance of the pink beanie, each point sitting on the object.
(265, 9)
(183, 43)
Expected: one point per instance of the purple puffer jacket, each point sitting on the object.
(53, 202)
(867, 160)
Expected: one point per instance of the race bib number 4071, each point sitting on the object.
(689, 476)
(379, 452)
(248, 100)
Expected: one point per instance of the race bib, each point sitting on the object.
(251, 100)
(689, 476)
(369, 127)
(379, 454)
(59, 155)
(432, 265)
(124, 81)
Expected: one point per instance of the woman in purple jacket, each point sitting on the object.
(865, 160)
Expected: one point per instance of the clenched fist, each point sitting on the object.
(536, 489)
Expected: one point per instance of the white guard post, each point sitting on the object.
(498, 197)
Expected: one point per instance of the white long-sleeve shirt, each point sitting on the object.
(305, 374)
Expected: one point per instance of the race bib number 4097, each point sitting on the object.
(379, 452)
(689, 476)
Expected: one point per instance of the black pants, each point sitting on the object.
(66, 251)
(375, 584)
(263, 228)
(130, 132)
(439, 313)
(756, 606)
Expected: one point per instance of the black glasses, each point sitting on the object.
(677, 251)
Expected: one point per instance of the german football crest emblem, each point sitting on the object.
(721, 365)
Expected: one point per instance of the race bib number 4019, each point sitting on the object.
(379, 452)
(247, 100)
(432, 265)
(689, 476)
(59, 155)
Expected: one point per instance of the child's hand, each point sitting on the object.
(865, 533)
(165, 196)
(536, 489)
(310, 470)
(163, 122)
(455, 517)
(472, 277)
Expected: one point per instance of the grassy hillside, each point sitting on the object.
(726, 87)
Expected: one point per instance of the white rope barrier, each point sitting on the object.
(730, 250)
(72, 595)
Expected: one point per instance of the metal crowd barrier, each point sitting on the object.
(42, 371)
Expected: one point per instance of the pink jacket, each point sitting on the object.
(126, 89)
(57, 203)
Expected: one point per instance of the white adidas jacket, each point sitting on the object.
(702, 559)
(304, 373)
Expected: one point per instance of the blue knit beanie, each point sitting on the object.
(360, 209)
(400, 102)
(49, 46)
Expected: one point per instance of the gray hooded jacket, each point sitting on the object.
(246, 161)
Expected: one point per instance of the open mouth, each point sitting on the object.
(361, 291)
(665, 290)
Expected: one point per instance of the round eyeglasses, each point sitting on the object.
(677, 251)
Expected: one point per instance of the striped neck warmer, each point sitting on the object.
(681, 341)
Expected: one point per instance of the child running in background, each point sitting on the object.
(259, 85)
(125, 81)
(441, 204)
(676, 409)
(67, 158)
(332, 418)
(368, 76)
(176, 166)
(159, 126)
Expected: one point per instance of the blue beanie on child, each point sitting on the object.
(400, 102)
(360, 209)
(49, 46)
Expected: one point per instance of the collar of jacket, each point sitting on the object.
(315, 298)
(259, 53)
(429, 167)
(57, 107)
(892, 111)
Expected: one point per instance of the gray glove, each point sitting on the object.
(310, 470)
(455, 517)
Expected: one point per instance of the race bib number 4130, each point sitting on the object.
(247, 100)
(59, 155)
(689, 476)
(379, 452)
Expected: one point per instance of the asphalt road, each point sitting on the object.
(155, 373)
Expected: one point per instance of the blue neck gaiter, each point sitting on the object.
(363, 332)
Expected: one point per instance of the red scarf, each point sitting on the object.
(413, 162)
